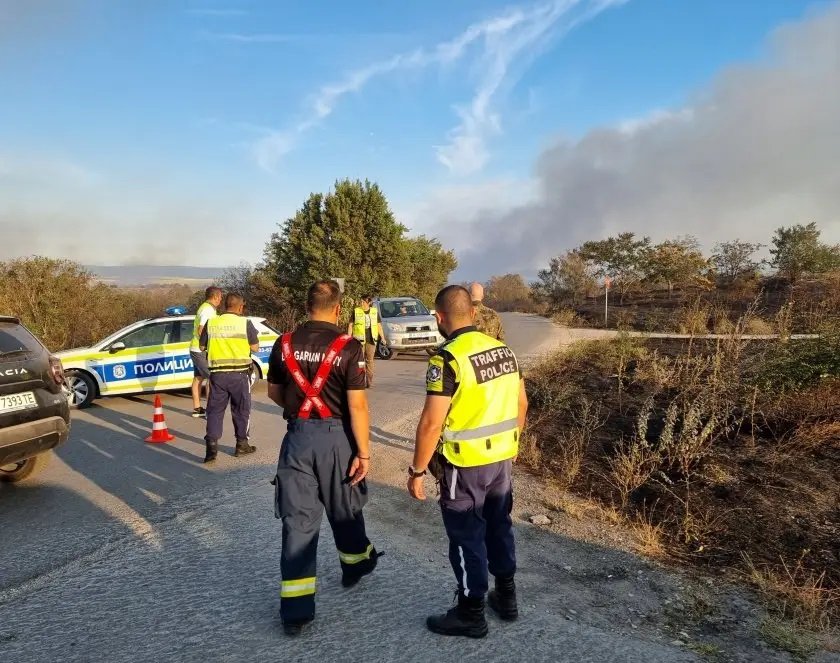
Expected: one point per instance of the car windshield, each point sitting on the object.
(402, 308)
(16, 340)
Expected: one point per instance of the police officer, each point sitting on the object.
(201, 371)
(366, 330)
(487, 320)
(317, 375)
(229, 340)
(469, 431)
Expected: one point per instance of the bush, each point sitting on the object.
(566, 317)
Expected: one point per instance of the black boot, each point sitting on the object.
(293, 628)
(211, 451)
(466, 618)
(502, 600)
(243, 449)
(352, 573)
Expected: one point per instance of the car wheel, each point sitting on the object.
(385, 352)
(14, 472)
(82, 389)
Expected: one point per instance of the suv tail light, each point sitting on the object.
(56, 370)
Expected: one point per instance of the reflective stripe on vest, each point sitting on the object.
(359, 323)
(227, 343)
(312, 391)
(195, 342)
(482, 425)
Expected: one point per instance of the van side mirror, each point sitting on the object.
(117, 347)
(432, 312)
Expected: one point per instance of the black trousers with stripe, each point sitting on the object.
(476, 504)
(312, 478)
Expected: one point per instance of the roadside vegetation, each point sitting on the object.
(722, 454)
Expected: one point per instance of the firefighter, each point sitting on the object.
(317, 375)
(468, 436)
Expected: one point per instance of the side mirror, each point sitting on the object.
(432, 312)
(117, 347)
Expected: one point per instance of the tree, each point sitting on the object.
(678, 261)
(351, 233)
(568, 280)
(619, 257)
(797, 250)
(508, 293)
(734, 259)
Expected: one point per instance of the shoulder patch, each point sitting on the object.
(434, 374)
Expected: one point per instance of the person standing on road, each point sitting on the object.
(365, 328)
(201, 371)
(487, 321)
(229, 340)
(317, 375)
(468, 436)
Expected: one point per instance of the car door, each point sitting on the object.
(178, 353)
(137, 362)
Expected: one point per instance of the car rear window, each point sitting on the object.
(15, 339)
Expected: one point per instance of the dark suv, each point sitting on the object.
(34, 408)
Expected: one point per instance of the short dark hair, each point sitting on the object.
(366, 298)
(322, 296)
(211, 292)
(454, 300)
(233, 299)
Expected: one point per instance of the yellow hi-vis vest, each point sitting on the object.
(359, 323)
(194, 344)
(482, 425)
(227, 343)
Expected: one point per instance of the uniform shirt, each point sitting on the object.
(441, 379)
(310, 343)
(488, 322)
(253, 334)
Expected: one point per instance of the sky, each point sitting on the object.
(182, 132)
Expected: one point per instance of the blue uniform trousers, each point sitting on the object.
(476, 504)
(233, 387)
(311, 478)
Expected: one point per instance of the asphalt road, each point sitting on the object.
(126, 551)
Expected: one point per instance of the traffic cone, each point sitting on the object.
(160, 433)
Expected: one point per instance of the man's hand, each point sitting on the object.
(358, 469)
(415, 488)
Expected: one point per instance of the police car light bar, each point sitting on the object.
(176, 310)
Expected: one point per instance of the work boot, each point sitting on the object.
(502, 600)
(243, 449)
(211, 452)
(351, 575)
(466, 619)
(294, 628)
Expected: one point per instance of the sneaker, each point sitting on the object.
(199, 413)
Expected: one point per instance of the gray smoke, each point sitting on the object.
(758, 149)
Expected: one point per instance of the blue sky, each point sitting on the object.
(182, 132)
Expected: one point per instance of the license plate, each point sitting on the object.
(420, 336)
(15, 402)
(424, 339)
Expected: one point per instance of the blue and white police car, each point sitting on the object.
(148, 356)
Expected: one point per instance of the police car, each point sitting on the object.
(148, 356)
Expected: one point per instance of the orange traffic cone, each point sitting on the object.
(160, 433)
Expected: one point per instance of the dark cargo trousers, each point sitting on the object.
(476, 503)
(233, 387)
(312, 477)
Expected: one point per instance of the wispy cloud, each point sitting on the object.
(252, 38)
(504, 46)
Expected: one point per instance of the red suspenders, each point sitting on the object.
(312, 391)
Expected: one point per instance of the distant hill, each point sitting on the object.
(133, 275)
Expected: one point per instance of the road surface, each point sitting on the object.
(126, 551)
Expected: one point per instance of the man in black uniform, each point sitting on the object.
(317, 375)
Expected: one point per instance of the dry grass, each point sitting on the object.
(648, 536)
(787, 637)
(566, 317)
(694, 318)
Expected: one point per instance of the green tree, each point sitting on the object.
(569, 279)
(351, 233)
(677, 261)
(619, 257)
(735, 259)
(797, 251)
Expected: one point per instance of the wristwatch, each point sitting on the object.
(414, 474)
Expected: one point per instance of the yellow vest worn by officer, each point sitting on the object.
(227, 343)
(199, 314)
(359, 323)
(482, 425)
